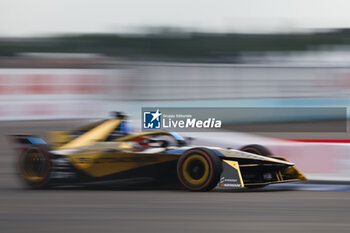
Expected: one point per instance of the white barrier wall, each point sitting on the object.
(60, 93)
(75, 93)
(64, 84)
(168, 81)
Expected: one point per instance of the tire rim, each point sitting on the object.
(34, 166)
(195, 170)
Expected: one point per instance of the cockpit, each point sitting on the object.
(115, 134)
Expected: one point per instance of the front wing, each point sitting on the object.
(235, 176)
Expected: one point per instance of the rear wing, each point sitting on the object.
(21, 140)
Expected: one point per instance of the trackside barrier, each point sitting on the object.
(61, 93)
(199, 84)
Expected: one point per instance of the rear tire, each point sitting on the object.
(35, 166)
(256, 149)
(199, 169)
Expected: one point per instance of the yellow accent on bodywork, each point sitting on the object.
(278, 176)
(294, 172)
(249, 165)
(93, 159)
(237, 154)
(133, 136)
(99, 133)
(59, 138)
(235, 165)
(102, 164)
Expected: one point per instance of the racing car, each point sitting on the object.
(108, 151)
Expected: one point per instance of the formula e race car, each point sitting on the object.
(108, 151)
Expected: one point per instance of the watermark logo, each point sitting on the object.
(152, 120)
(198, 119)
(178, 119)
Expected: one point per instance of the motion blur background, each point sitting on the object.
(64, 59)
(64, 62)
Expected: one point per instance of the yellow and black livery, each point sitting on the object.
(108, 151)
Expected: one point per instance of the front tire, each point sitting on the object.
(199, 169)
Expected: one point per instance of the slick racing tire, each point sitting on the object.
(256, 149)
(199, 169)
(34, 165)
